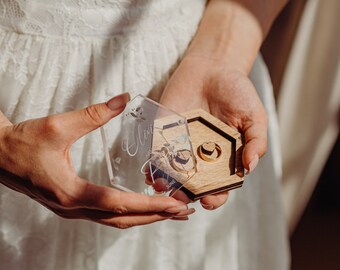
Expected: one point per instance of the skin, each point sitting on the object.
(35, 154)
(213, 74)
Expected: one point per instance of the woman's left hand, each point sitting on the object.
(228, 94)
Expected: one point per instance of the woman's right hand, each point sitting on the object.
(35, 160)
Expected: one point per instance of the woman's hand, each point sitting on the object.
(213, 74)
(226, 93)
(35, 160)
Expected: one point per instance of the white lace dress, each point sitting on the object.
(57, 56)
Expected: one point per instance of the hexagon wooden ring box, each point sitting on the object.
(157, 151)
(217, 151)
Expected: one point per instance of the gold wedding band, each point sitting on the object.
(209, 151)
(183, 161)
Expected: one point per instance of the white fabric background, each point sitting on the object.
(58, 56)
(309, 104)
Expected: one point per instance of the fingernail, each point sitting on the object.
(253, 164)
(180, 218)
(118, 102)
(176, 209)
(208, 206)
(187, 212)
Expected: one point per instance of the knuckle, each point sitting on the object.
(122, 225)
(120, 209)
(67, 201)
(94, 114)
(52, 125)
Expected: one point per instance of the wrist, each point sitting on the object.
(4, 124)
(231, 32)
(2, 146)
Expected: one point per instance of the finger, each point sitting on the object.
(180, 196)
(148, 177)
(121, 221)
(124, 222)
(128, 222)
(112, 200)
(180, 218)
(115, 220)
(161, 185)
(212, 202)
(255, 145)
(75, 124)
(148, 181)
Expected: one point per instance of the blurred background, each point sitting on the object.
(302, 52)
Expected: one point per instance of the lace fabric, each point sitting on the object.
(71, 18)
(61, 55)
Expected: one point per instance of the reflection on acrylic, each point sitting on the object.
(154, 154)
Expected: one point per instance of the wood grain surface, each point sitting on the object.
(223, 171)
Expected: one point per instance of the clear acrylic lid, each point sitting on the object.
(148, 149)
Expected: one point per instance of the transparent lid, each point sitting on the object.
(148, 149)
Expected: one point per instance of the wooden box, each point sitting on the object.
(217, 150)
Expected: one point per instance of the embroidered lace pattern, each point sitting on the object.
(59, 55)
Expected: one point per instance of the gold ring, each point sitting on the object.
(183, 161)
(209, 151)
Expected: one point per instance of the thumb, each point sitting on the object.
(78, 123)
(255, 145)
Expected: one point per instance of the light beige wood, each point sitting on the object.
(221, 170)
(227, 171)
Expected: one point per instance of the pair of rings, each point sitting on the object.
(183, 161)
